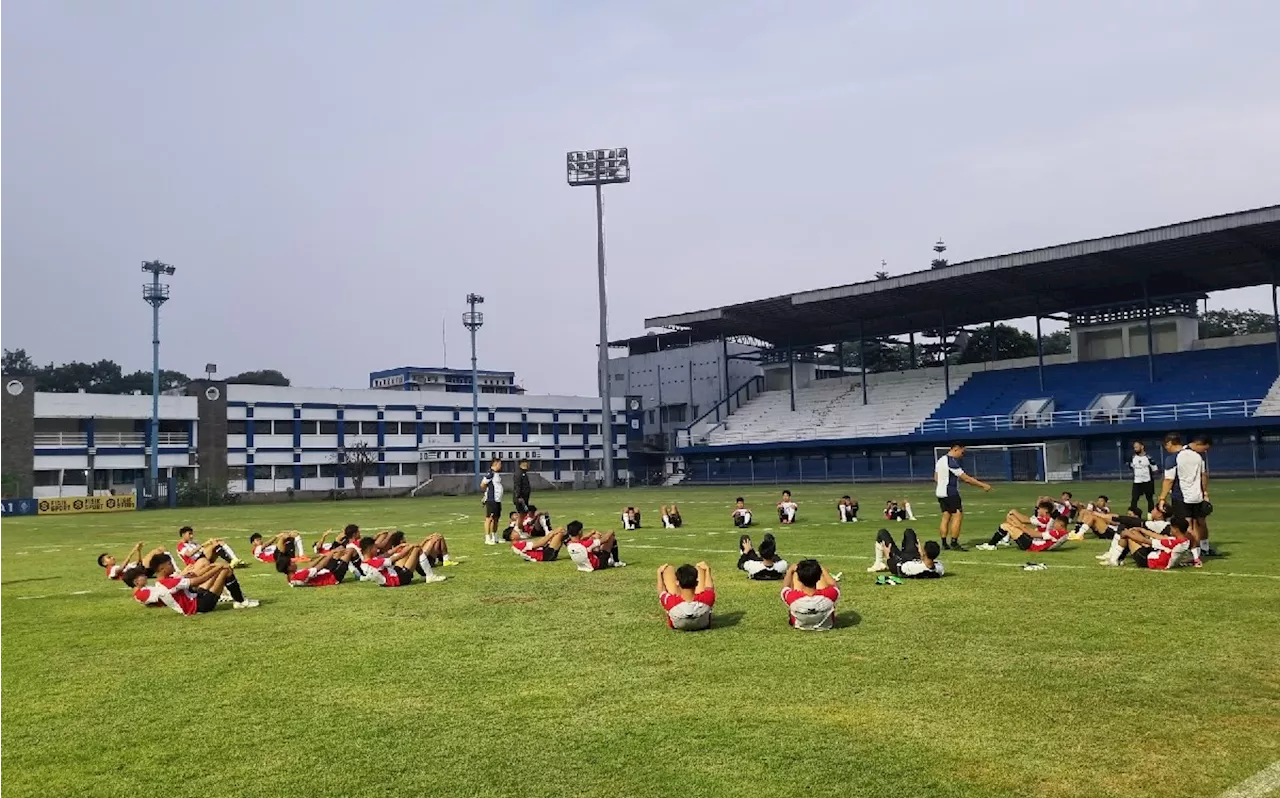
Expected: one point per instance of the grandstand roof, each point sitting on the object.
(1234, 250)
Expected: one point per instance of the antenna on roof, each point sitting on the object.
(444, 343)
(939, 262)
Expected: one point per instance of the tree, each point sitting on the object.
(1056, 343)
(881, 356)
(17, 363)
(263, 377)
(1230, 323)
(882, 275)
(357, 461)
(1010, 343)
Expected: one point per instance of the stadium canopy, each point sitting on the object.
(1235, 250)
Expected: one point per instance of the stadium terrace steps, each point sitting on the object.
(1271, 402)
(833, 409)
(1208, 375)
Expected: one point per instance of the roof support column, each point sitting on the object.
(1151, 348)
(946, 361)
(1275, 307)
(862, 360)
(840, 356)
(791, 369)
(1039, 349)
(993, 358)
(724, 355)
(911, 350)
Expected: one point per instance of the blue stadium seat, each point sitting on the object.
(1209, 375)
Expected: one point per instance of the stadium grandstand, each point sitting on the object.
(1136, 367)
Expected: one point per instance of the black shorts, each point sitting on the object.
(1024, 541)
(206, 601)
(950, 504)
(339, 569)
(1140, 556)
(406, 576)
(1183, 509)
(549, 554)
(493, 509)
(1127, 522)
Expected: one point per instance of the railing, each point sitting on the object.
(1152, 414)
(702, 426)
(833, 431)
(122, 439)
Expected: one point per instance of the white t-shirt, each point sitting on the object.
(753, 567)
(1188, 470)
(947, 472)
(1158, 527)
(1141, 465)
(492, 484)
(912, 568)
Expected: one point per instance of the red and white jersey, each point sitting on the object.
(173, 592)
(114, 571)
(382, 571)
(688, 614)
(584, 553)
(266, 554)
(189, 551)
(1158, 527)
(1167, 552)
(312, 577)
(527, 550)
(1041, 523)
(1050, 539)
(812, 611)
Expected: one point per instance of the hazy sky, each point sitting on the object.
(332, 178)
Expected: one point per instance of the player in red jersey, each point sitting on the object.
(1034, 539)
(395, 567)
(1156, 547)
(535, 549)
(265, 550)
(810, 593)
(195, 590)
(321, 571)
(135, 557)
(211, 549)
(1018, 525)
(592, 551)
(687, 594)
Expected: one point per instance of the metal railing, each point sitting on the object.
(1150, 414)
(123, 439)
(702, 426)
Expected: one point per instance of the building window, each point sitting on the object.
(310, 471)
(261, 427)
(650, 416)
(262, 472)
(328, 428)
(75, 476)
(235, 427)
(409, 470)
(368, 428)
(328, 471)
(351, 428)
(235, 474)
(284, 472)
(284, 427)
(429, 428)
(46, 479)
(464, 428)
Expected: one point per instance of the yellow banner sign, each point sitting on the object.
(87, 504)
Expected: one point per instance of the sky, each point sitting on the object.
(331, 179)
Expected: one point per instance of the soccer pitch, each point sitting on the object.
(522, 679)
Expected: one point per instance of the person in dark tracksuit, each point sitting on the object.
(524, 490)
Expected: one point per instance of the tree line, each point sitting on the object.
(106, 376)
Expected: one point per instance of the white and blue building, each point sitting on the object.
(443, 380)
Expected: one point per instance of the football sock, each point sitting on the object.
(233, 587)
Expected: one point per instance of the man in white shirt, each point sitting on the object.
(1144, 470)
(948, 475)
(491, 490)
(1186, 481)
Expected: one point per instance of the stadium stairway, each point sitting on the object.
(832, 409)
(1208, 375)
(1271, 402)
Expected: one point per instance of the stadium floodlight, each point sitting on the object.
(155, 294)
(473, 320)
(599, 168)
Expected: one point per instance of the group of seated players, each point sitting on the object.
(1159, 542)
(687, 593)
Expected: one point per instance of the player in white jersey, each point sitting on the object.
(1156, 550)
(1186, 483)
(787, 509)
(135, 557)
(1144, 473)
(741, 515)
(909, 561)
(671, 517)
(847, 510)
(947, 478)
(810, 594)
(687, 595)
(762, 565)
(592, 551)
(630, 518)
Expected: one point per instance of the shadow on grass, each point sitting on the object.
(723, 620)
(847, 618)
(32, 579)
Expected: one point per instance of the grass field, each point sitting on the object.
(516, 679)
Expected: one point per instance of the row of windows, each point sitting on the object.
(309, 427)
(323, 471)
(103, 478)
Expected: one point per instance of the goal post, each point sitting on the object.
(1046, 461)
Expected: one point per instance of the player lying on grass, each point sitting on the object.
(787, 509)
(741, 515)
(211, 549)
(536, 522)
(1065, 505)
(907, 561)
(810, 594)
(847, 510)
(898, 511)
(395, 566)
(592, 551)
(265, 550)
(349, 537)
(195, 590)
(630, 518)
(319, 571)
(1030, 537)
(535, 549)
(135, 557)
(763, 565)
(671, 517)
(1098, 519)
(1155, 550)
(687, 594)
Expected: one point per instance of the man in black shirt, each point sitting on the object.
(524, 490)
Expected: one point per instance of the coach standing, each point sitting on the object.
(524, 490)
(491, 488)
(1186, 481)
(1143, 484)
(949, 475)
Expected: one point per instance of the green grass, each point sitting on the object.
(515, 679)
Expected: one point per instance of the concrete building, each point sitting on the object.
(443, 380)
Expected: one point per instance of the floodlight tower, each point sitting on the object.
(155, 294)
(473, 320)
(598, 168)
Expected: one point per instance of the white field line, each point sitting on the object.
(1264, 782)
